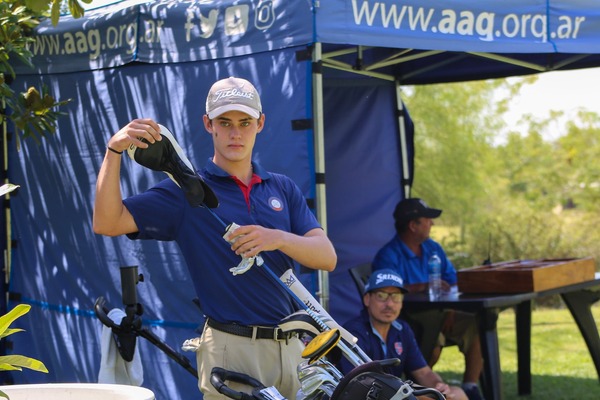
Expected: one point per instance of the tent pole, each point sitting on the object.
(403, 146)
(318, 132)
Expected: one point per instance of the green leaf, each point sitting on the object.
(24, 362)
(19, 10)
(7, 319)
(8, 367)
(37, 5)
(2, 394)
(75, 8)
(55, 12)
(10, 331)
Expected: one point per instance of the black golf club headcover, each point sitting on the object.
(167, 156)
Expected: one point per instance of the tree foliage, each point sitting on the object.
(520, 198)
(34, 111)
(578, 154)
(452, 149)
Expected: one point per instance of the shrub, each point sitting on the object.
(16, 362)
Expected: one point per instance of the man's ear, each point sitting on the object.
(207, 123)
(260, 123)
(412, 225)
(366, 299)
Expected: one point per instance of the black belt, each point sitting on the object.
(256, 332)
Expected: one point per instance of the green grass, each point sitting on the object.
(561, 365)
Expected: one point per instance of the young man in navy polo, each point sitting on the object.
(275, 223)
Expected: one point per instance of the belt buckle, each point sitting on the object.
(276, 332)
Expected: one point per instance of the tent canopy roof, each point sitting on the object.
(413, 43)
(437, 41)
(416, 67)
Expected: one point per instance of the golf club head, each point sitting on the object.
(167, 156)
(321, 344)
(317, 379)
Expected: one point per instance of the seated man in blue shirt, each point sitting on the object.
(408, 254)
(381, 335)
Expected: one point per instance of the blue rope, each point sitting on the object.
(91, 314)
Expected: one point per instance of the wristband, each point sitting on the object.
(113, 150)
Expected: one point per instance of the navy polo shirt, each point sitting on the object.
(400, 343)
(397, 256)
(275, 201)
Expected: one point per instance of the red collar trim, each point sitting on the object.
(246, 189)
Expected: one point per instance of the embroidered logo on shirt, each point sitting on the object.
(276, 204)
(398, 347)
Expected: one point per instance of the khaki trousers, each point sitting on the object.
(271, 362)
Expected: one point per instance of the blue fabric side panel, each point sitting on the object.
(363, 178)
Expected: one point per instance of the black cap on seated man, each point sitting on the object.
(409, 209)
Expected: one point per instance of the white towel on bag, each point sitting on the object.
(113, 368)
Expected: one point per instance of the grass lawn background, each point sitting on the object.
(561, 365)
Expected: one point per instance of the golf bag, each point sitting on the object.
(365, 382)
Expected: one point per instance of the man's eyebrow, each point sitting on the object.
(231, 120)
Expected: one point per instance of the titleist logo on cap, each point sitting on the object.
(232, 92)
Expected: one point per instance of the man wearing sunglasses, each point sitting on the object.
(381, 335)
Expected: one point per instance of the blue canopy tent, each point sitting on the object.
(330, 78)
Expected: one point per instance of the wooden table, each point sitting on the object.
(578, 297)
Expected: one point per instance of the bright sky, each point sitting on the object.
(567, 91)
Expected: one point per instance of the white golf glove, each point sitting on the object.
(247, 262)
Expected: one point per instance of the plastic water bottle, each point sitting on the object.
(435, 277)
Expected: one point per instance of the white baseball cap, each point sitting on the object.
(233, 94)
